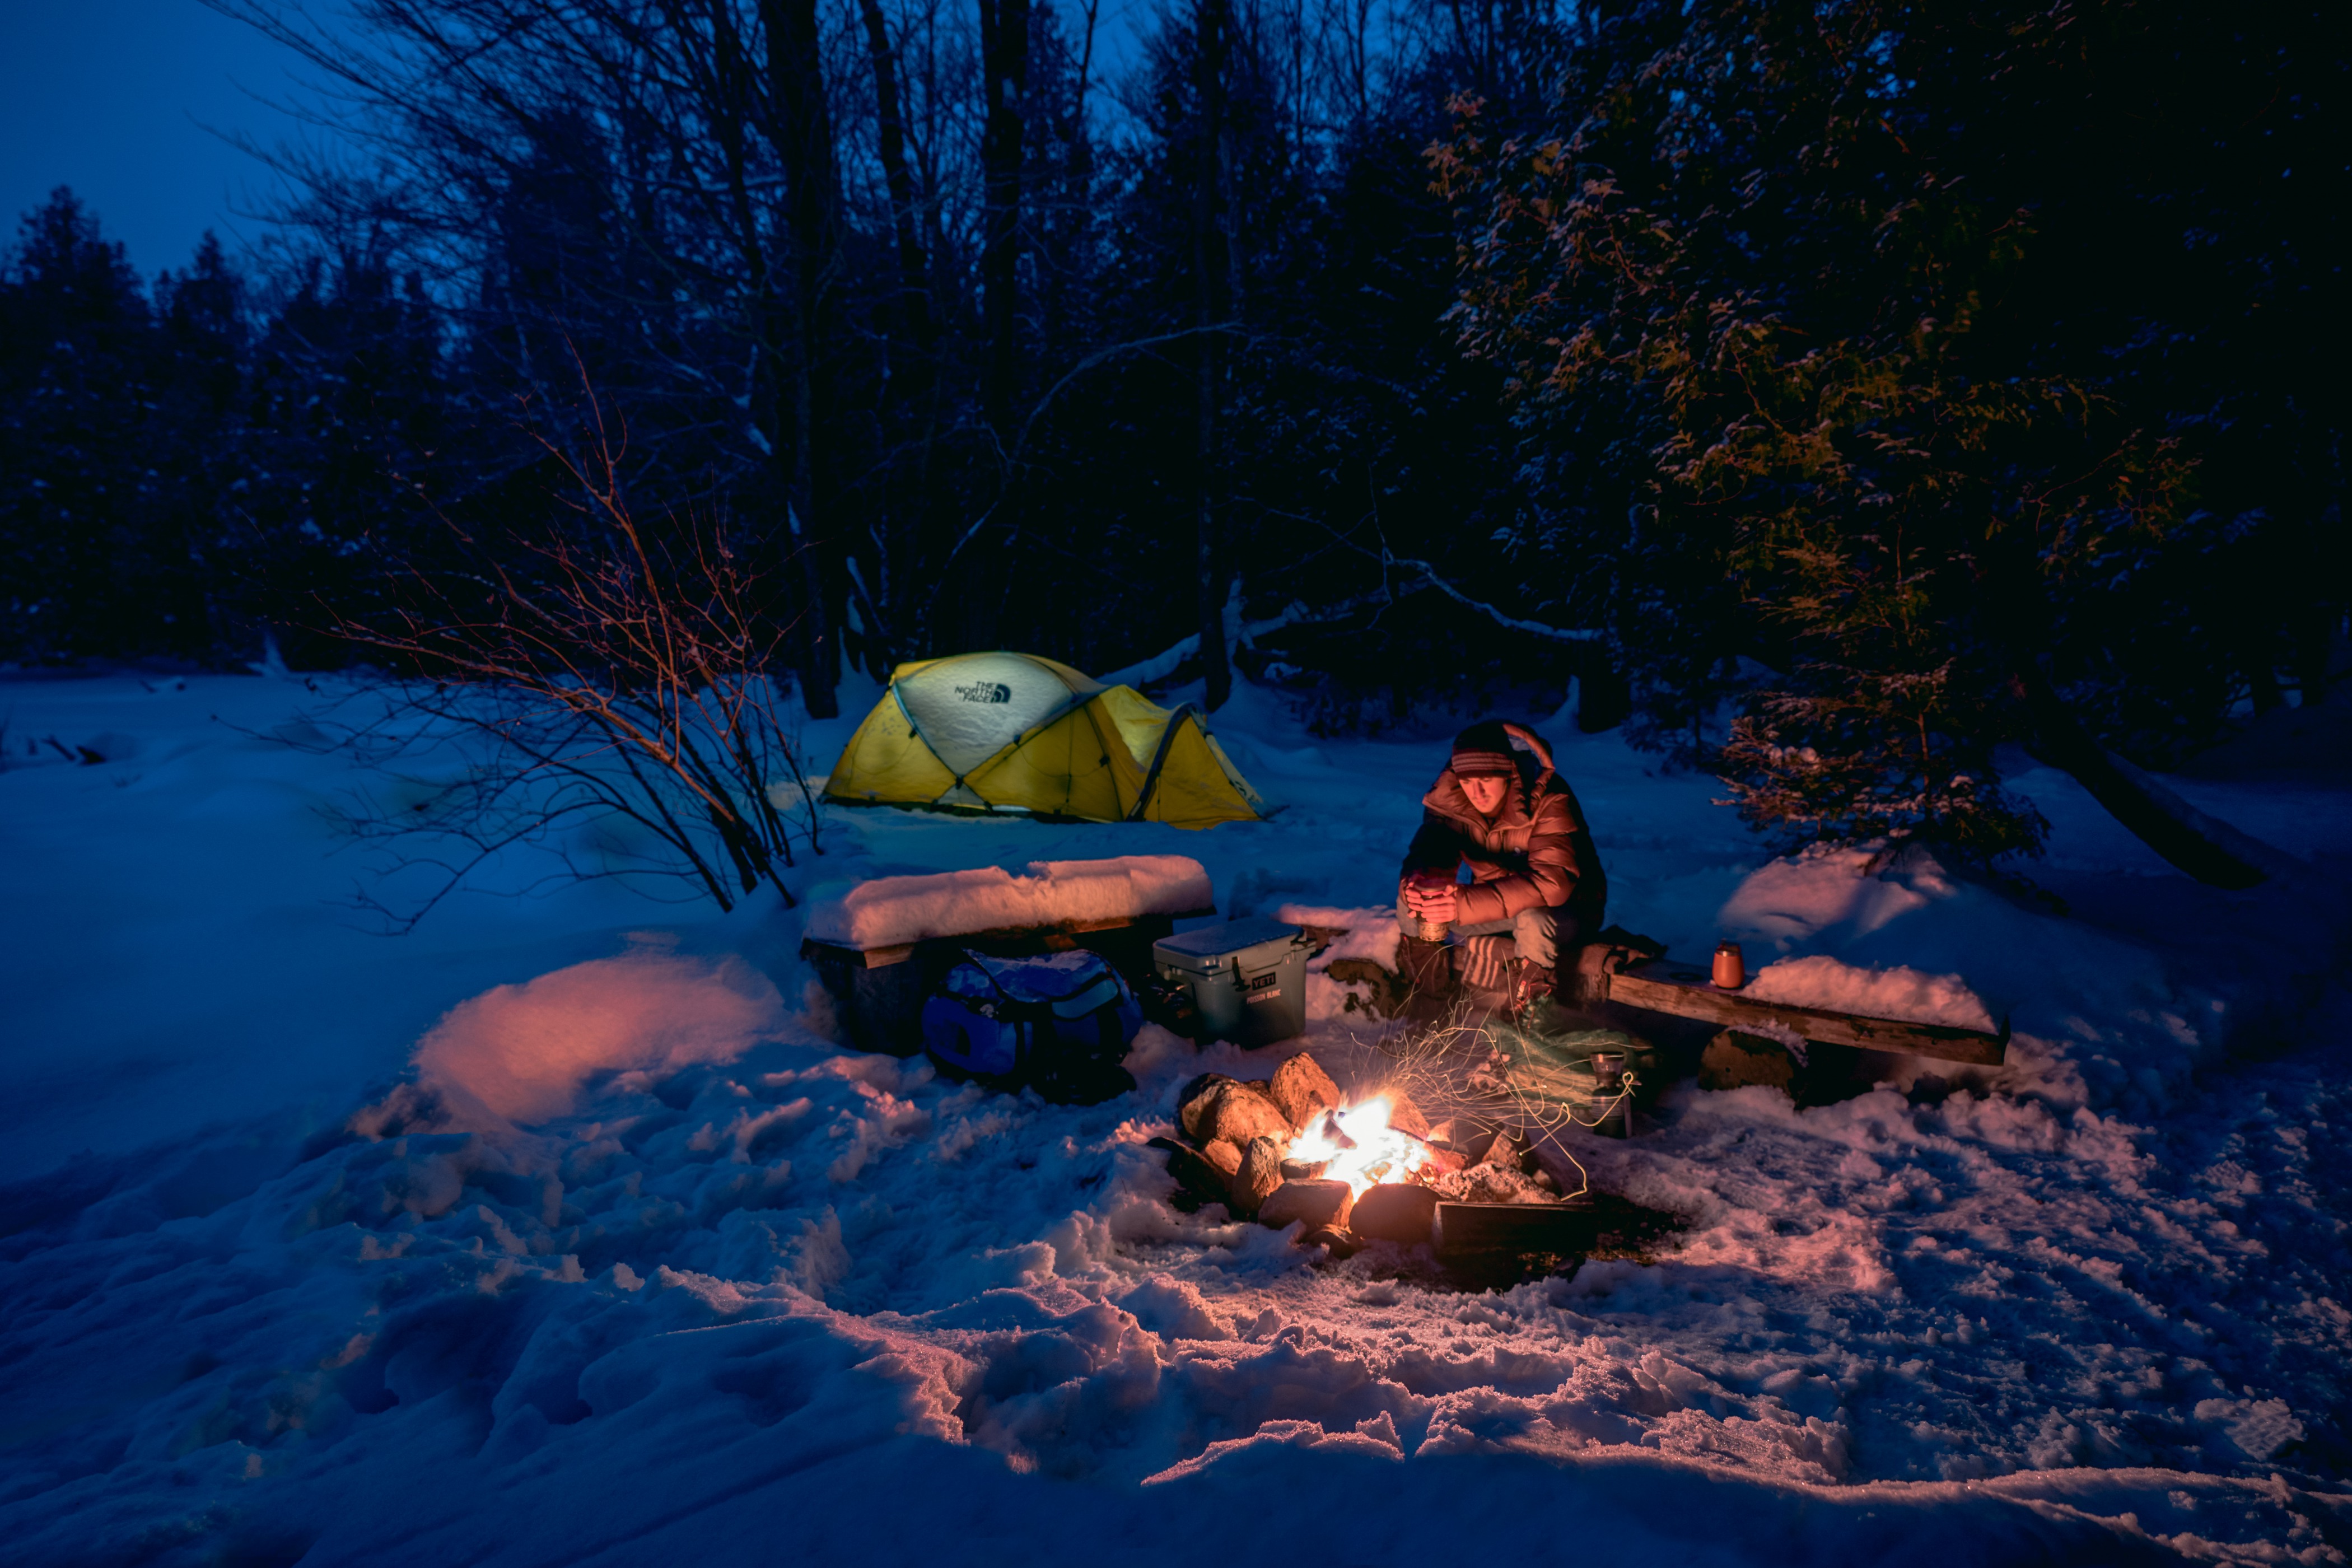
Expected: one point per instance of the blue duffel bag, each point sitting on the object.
(1059, 1021)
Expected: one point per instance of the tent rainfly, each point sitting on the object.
(1012, 731)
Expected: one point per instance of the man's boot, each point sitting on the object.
(1535, 1009)
(1428, 969)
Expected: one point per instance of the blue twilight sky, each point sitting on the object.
(107, 96)
(112, 97)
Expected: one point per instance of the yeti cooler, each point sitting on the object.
(1248, 978)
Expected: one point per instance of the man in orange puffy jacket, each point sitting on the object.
(1500, 811)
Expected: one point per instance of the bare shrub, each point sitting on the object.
(602, 671)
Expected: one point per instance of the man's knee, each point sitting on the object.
(1542, 934)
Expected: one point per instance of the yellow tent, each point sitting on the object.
(998, 732)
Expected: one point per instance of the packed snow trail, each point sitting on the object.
(702, 1282)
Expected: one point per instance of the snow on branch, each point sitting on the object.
(1429, 576)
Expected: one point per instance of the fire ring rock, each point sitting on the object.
(1317, 1202)
(1234, 1111)
(1405, 1115)
(1394, 1211)
(1340, 1241)
(1197, 1099)
(1260, 1174)
(1303, 1090)
(1198, 1181)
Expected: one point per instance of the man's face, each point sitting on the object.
(1486, 792)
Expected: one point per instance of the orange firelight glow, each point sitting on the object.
(1358, 1146)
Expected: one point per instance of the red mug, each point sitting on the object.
(1730, 969)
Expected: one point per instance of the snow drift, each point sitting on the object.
(2058, 1312)
(525, 1051)
(1901, 992)
(1371, 933)
(891, 911)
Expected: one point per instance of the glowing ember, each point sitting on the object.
(1358, 1146)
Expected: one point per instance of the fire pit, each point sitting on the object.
(1289, 1150)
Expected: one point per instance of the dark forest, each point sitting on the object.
(1892, 382)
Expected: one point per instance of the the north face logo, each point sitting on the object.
(985, 691)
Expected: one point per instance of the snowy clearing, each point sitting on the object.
(561, 1232)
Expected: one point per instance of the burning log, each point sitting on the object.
(1359, 1145)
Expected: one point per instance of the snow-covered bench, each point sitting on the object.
(879, 945)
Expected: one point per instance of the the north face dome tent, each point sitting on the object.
(990, 731)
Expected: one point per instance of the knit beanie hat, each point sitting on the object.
(1483, 748)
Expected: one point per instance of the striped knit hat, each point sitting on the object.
(1483, 748)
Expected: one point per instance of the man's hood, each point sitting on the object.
(1447, 798)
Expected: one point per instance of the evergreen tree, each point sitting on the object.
(74, 391)
(1830, 281)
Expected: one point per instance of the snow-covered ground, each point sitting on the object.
(559, 1232)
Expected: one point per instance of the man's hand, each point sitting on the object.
(1432, 899)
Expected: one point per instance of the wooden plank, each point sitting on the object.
(880, 957)
(856, 958)
(1687, 994)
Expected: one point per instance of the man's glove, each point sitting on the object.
(1433, 896)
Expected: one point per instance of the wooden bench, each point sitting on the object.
(878, 994)
(1656, 986)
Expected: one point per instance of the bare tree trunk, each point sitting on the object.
(1004, 64)
(1209, 264)
(1004, 70)
(1067, 241)
(915, 363)
(803, 138)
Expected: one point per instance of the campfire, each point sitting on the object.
(1290, 1150)
(1357, 1145)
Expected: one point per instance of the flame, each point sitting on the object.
(1356, 1145)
